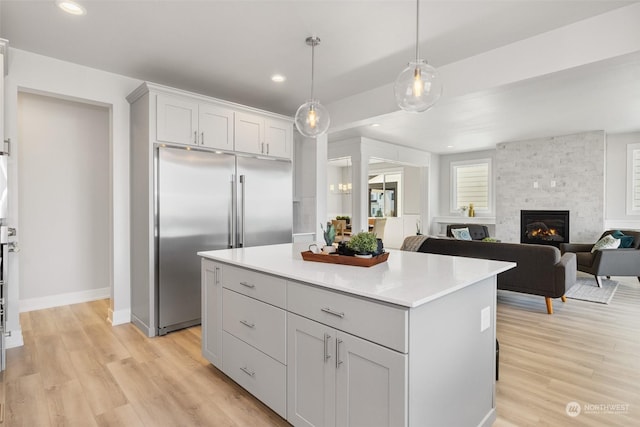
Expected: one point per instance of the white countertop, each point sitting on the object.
(408, 279)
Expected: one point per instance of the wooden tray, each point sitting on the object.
(345, 260)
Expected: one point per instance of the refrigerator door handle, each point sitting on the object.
(243, 183)
(232, 228)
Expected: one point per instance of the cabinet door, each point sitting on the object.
(216, 127)
(212, 312)
(370, 384)
(310, 373)
(278, 136)
(176, 120)
(249, 133)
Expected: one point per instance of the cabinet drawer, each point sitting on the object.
(259, 374)
(261, 325)
(260, 286)
(377, 322)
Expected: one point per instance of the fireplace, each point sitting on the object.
(544, 227)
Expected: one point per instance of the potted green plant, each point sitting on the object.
(364, 244)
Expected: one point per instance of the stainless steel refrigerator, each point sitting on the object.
(208, 200)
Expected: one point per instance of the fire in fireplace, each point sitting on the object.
(544, 227)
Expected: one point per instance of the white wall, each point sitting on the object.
(63, 200)
(40, 74)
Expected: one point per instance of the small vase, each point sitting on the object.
(364, 256)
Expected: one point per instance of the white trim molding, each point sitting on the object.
(119, 317)
(633, 179)
(32, 304)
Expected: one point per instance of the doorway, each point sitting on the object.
(63, 201)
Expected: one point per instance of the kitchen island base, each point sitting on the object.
(320, 356)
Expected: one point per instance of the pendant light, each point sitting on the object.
(312, 119)
(418, 86)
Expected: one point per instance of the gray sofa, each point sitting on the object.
(477, 231)
(607, 262)
(541, 269)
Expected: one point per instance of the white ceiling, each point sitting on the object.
(229, 50)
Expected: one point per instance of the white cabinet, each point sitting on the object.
(212, 312)
(216, 126)
(181, 120)
(371, 388)
(337, 379)
(311, 379)
(278, 138)
(259, 135)
(176, 120)
(249, 131)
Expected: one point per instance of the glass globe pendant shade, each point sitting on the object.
(312, 119)
(417, 87)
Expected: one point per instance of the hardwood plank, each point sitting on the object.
(26, 402)
(122, 416)
(101, 390)
(53, 360)
(68, 406)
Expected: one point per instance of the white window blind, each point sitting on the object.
(471, 184)
(634, 178)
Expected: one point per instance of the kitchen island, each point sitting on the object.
(407, 342)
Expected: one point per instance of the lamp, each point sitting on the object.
(418, 86)
(312, 119)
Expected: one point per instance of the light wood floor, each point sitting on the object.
(77, 370)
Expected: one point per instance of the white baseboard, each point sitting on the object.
(119, 317)
(14, 340)
(32, 304)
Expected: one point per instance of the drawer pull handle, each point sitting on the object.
(248, 324)
(248, 372)
(248, 285)
(335, 313)
(327, 356)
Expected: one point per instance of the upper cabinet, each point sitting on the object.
(181, 120)
(249, 129)
(216, 126)
(195, 120)
(278, 138)
(263, 135)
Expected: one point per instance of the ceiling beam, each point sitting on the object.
(609, 35)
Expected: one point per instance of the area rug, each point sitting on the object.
(586, 289)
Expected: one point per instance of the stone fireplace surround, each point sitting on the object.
(555, 173)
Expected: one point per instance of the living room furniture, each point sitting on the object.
(607, 262)
(541, 269)
(477, 231)
(341, 227)
(378, 227)
(404, 343)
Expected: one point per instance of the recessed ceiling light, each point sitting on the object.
(71, 7)
(375, 125)
(449, 146)
(278, 78)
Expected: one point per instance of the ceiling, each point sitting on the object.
(230, 49)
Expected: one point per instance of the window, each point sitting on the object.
(633, 180)
(384, 194)
(471, 183)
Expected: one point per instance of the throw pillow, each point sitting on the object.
(607, 242)
(461, 233)
(625, 241)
